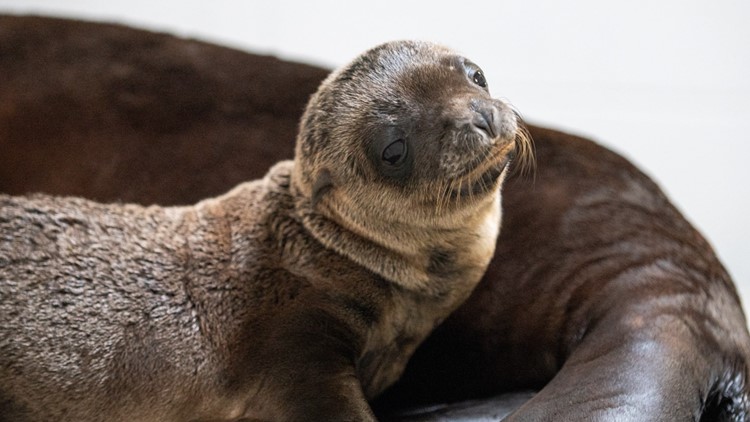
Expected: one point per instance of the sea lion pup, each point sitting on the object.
(295, 297)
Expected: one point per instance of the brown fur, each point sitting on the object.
(554, 312)
(258, 303)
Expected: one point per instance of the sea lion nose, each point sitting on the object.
(485, 117)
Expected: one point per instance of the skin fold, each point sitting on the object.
(601, 296)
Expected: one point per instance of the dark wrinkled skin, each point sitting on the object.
(601, 296)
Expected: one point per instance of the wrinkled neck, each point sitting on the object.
(404, 251)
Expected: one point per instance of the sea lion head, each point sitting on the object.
(407, 130)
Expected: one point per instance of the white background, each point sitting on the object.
(664, 82)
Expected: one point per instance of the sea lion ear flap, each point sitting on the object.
(323, 183)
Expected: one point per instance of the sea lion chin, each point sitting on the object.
(294, 297)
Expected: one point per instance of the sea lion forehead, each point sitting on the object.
(390, 61)
(393, 75)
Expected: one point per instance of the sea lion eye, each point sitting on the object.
(395, 152)
(478, 78)
(474, 73)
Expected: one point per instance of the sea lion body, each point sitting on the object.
(185, 313)
(602, 298)
(295, 297)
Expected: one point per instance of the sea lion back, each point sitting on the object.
(59, 268)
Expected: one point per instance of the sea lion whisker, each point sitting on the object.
(444, 191)
(524, 147)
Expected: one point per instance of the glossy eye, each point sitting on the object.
(395, 152)
(478, 78)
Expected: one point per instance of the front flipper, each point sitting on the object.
(663, 360)
(305, 370)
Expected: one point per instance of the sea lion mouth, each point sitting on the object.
(483, 174)
(486, 160)
(484, 180)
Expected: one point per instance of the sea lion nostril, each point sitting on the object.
(484, 119)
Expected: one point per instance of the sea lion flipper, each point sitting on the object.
(665, 371)
(330, 403)
(325, 385)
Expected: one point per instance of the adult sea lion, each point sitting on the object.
(150, 117)
(616, 309)
(295, 297)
